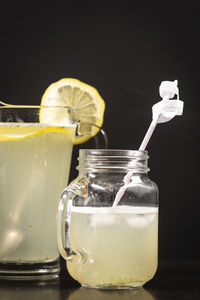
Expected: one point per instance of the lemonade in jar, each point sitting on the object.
(109, 246)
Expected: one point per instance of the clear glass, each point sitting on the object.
(35, 162)
(106, 246)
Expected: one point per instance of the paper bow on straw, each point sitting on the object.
(165, 110)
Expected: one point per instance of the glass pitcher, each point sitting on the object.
(35, 160)
(107, 246)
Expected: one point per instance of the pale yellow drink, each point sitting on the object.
(34, 169)
(120, 245)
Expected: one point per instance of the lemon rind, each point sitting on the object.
(99, 102)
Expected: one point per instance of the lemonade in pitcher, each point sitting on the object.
(36, 145)
(35, 163)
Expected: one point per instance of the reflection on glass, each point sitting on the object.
(30, 290)
(91, 294)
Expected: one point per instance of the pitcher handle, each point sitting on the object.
(99, 144)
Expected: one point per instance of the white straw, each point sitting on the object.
(148, 135)
(163, 111)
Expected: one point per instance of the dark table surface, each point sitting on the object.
(173, 280)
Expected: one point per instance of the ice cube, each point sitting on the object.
(138, 221)
(150, 218)
(102, 220)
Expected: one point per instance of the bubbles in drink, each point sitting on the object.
(116, 240)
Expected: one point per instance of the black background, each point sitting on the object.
(124, 50)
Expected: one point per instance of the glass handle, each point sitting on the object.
(98, 144)
(100, 139)
(63, 226)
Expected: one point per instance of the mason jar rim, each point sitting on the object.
(113, 152)
(113, 160)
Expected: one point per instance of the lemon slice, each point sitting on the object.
(16, 133)
(87, 103)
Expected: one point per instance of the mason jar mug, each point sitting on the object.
(108, 244)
